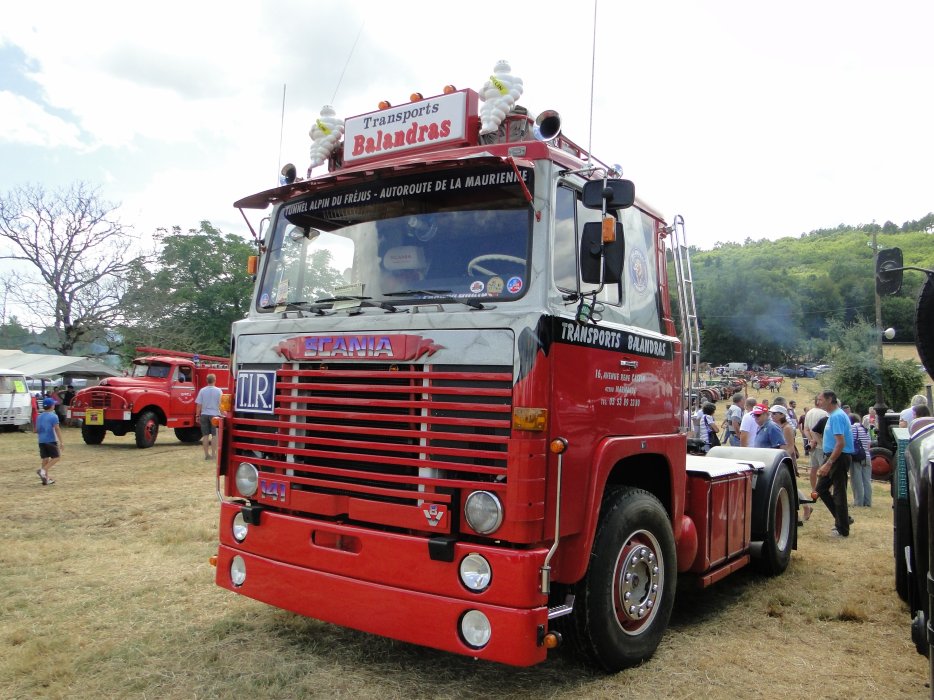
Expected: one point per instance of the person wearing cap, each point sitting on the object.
(769, 434)
(837, 446)
(780, 417)
(50, 440)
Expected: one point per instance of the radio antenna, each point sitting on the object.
(593, 67)
(347, 63)
(281, 129)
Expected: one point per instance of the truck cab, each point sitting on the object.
(458, 400)
(159, 390)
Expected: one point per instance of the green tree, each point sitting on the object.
(13, 335)
(857, 370)
(197, 288)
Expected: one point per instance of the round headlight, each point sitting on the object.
(247, 479)
(239, 528)
(484, 512)
(475, 629)
(476, 573)
(237, 570)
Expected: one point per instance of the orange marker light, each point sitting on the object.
(448, 89)
(558, 446)
(609, 229)
(416, 96)
(384, 104)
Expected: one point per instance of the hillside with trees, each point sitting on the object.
(773, 302)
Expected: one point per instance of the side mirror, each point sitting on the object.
(591, 244)
(619, 194)
(889, 264)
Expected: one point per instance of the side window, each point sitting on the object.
(570, 217)
(640, 270)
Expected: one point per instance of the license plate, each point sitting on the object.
(94, 416)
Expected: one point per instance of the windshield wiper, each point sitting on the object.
(293, 306)
(432, 296)
(364, 301)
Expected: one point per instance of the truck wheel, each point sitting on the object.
(625, 599)
(901, 539)
(93, 434)
(780, 526)
(147, 428)
(189, 435)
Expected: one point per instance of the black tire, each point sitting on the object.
(93, 434)
(781, 523)
(189, 435)
(902, 538)
(147, 429)
(633, 558)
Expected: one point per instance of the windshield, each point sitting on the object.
(154, 370)
(12, 384)
(460, 234)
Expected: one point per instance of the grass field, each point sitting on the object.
(107, 593)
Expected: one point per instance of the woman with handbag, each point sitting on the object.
(708, 426)
(861, 466)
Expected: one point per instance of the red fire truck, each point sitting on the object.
(160, 390)
(458, 418)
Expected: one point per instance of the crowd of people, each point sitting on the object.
(836, 443)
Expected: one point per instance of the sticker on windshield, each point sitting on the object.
(514, 285)
(282, 294)
(264, 300)
(495, 285)
(476, 287)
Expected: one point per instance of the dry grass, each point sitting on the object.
(107, 593)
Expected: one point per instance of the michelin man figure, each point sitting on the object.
(325, 135)
(499, 96)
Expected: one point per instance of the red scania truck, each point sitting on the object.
(458, 416)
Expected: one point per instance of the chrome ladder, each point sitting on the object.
(690, 331)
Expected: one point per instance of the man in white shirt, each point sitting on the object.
(749, 426)
(208, 407)
(908, 415)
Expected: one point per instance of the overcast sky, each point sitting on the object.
(750, 119)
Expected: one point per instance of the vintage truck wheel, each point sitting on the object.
(782, 519)
(93, 434)
(189, 435)
(883, 463)
(147, 428)
(624, 601)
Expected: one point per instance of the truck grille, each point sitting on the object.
(375, 443)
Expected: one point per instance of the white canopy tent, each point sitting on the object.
(36, 366)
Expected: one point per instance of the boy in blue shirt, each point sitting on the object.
(50, 440)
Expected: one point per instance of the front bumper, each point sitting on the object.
(386, 584)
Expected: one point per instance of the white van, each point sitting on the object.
(15, 400)
(737, 366)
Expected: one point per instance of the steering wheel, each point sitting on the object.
(474, 265)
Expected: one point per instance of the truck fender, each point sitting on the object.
(661, 450)
(772, 462)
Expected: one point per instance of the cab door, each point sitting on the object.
(182, 398)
